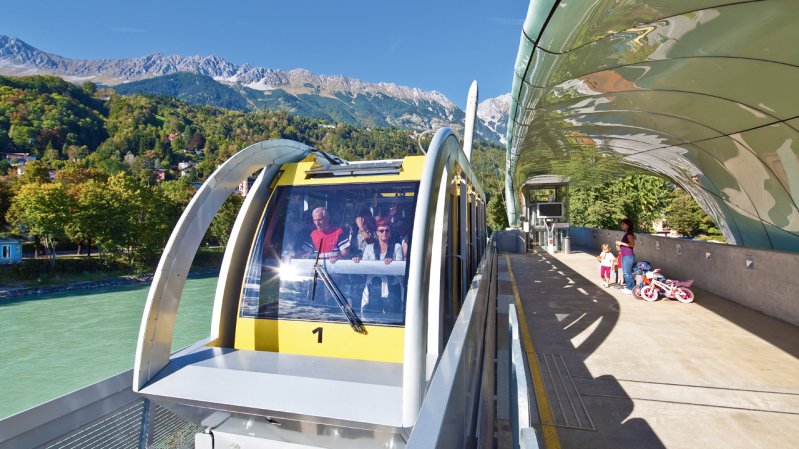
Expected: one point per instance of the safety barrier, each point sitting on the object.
(106, 414)
(458, 409)
(521, 395)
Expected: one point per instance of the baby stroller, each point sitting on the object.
(639, 273)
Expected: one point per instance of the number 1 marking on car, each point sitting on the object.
(318, 330)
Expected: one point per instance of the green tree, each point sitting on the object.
(6, 196)
(497, 216)
(89, 88)
(35, 172)
(139, 227)
(42, 210)
(74, 175)
(5, 167)
(222, 224)
(686, 217)
(641, 198)
(51, 154)
(101, 216)
(75, 153)
(177, 194)
(22, 136)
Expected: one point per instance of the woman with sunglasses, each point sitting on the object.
(382, 249)
(382, 293)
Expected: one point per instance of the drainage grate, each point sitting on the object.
(568, 408)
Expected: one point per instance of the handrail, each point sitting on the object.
(158, 322)
(449, 417)
(521, 395)
(88, 413)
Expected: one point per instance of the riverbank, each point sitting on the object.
(18, 292)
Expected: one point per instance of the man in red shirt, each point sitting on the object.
(329, 240)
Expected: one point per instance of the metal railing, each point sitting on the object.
(106, 414)
(458, 409)
(522, 397)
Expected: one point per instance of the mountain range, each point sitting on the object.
(217, 82)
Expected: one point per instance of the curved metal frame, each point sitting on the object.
(445, 160)
(443, 154)
(158, 322)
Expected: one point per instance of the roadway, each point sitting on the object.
(618, 372)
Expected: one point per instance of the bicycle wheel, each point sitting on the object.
(637, 291)
(649, 293)
(682, 294)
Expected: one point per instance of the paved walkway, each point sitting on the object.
(624, 373)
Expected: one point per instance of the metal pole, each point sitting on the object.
(471, 118)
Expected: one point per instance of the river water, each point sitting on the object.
(53, 344)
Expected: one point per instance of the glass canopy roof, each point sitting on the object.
(705, 93)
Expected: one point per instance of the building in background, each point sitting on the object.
(10, 251)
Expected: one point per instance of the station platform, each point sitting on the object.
(613, 371)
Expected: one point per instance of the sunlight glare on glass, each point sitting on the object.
(289, 273)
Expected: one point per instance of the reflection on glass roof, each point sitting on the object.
(704, 93)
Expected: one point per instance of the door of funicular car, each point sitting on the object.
(327, 271)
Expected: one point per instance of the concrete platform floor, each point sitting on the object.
(626, 373)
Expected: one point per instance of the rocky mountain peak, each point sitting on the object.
(401, 106)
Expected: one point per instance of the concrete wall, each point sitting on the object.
(511, 241)
(767, 281)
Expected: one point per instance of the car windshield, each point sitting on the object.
(321, 250)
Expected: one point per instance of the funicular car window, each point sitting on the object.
(314, 240)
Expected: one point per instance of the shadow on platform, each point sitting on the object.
(569, 317)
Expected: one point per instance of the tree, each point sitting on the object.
(35, 172)
(22, 136)
(82, 226)
(5, 167)
(6, 195)
(75, 174)
(89, 88)
(222, 224)
(641, 198)
(42, 210)
(687, 218)
(177, 194)
(51, 153)
(74, 152)
(497, 214)
(100, 216)
(135, 220)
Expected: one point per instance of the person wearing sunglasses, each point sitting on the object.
(382, 293)
(382, 249)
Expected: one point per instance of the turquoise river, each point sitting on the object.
(53, 344)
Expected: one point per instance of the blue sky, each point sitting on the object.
(433, 45)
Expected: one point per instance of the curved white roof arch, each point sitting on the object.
(704, 93)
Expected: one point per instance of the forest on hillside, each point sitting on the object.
(117, 160)
(115, 171)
